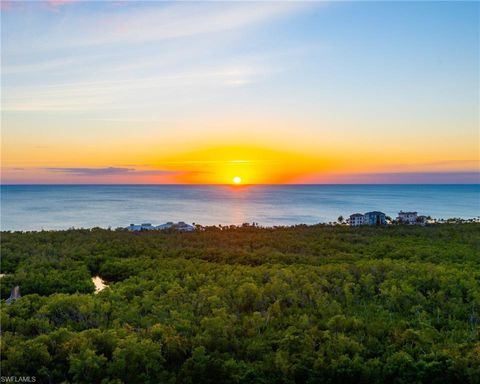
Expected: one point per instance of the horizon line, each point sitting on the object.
(223, 184)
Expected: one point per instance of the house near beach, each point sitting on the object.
(181, 226)
(356, 219)
(423, 220)
(407, 217)
(184, 227)
(141, 227)
(167, 225)
(375, 218)
(369, 218)
(412, 218)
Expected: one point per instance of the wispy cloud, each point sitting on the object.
(100, 94)
(57, 3)
(108, 171)
(6, 5)
(154, 21)
(393, 178)
(187, 19)
(19, 5)
(435, 166)
(97, 57)
(51, 64)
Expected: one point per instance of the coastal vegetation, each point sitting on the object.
(302, 304)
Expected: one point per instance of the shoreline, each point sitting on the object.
(201, 228)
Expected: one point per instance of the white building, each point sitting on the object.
(141, 227)
(356, 219)
(181, 226)
(407, 217)
(168, 225)
(184, 227)
(422, 220)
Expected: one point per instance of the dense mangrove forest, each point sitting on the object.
(303, 304)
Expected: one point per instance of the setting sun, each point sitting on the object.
(237, 180)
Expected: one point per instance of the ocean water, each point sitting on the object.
(36, 207)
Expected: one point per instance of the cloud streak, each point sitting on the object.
(57, 3)
(145, 50)
(111, 171)
(100, 94)
(150, 22)
(394, 178)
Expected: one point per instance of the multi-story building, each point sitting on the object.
(141, 227)
(407, 217)
(356, 219)
(374, 218)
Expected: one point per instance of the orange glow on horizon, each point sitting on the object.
(225, 164)
(222, 164)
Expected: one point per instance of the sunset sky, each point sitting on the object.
(273, 92)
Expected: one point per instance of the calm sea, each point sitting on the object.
(36, 207)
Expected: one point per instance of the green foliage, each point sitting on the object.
(244, 305)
